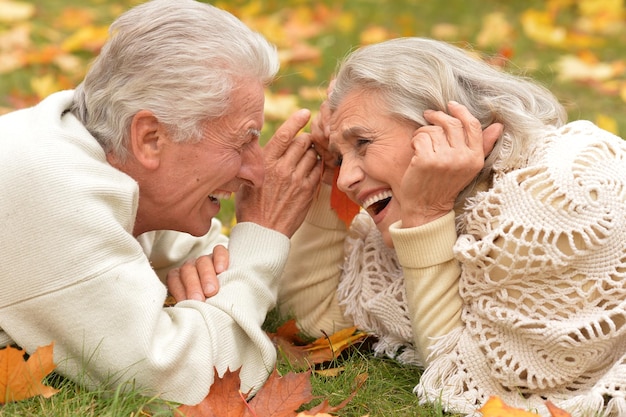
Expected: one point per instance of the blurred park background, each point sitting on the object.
(575, 47)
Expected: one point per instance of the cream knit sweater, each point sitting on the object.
(73, 274)
(522, 296)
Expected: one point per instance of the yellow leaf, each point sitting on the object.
(375, 34)
(89, 38)
(574, 68)
(338, 340)
(539, 26)
(280, 106)
(496, 29)
(332, 372)
(45, 85)
(607, 123)
(21, 379)
(445, 31)
(495, 407)
(13, 11)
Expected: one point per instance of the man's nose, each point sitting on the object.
(252, 165)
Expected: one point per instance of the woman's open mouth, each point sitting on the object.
(378, 202)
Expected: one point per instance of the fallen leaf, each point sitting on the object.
(280, 106)
(583, 68)
(21, 379)
(607, 123)
(345, 208)
(13, 11)
(324, 349)
(280, 396)
(330, 372)
(224, 398)
(495, 30)
(556, 411)
(495, 407)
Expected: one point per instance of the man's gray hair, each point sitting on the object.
(179, 59)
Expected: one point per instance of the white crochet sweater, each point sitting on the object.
(536, 306)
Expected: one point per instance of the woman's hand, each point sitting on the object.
(320, 132)
(197, 279)
(448, 154)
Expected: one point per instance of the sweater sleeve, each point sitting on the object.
(73, 274)
(431, 277)
(167, 249)
(308, 287)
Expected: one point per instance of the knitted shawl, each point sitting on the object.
(543, 260)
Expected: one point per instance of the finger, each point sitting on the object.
(208, 277)
(432, 137)
(283, 136)
(191, 281)
(221, 258)
(470, 124)
(491, 134)
(298, 147)
(174, 286)
(448, 128)
(307, 164)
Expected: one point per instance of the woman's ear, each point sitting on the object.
(147, 139)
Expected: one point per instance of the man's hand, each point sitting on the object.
(292, 175)
(197, 279)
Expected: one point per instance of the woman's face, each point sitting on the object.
(374, 149)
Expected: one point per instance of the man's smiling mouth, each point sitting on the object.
(219, 195)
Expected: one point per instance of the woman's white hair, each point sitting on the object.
(180, 59)
(415, 74)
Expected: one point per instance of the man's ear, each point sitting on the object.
(147, 139)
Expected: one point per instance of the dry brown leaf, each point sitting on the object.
(345, 208)
(21, 379)
(281, 396)
(324, 349)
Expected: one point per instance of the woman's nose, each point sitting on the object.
(349, 175)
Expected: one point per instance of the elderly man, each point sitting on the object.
(109, 188)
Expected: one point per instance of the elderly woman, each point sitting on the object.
(501, 275)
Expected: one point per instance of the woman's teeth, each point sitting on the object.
(377, 202)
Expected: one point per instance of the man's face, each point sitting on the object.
(195, 176)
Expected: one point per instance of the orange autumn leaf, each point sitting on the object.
(556, 411)
(21, 379)
(495, 407)
(321, 350)
(345, 208)
(224, 398)
(280, 396)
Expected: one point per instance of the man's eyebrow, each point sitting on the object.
(254, 132)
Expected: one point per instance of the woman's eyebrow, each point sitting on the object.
(355, 131)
